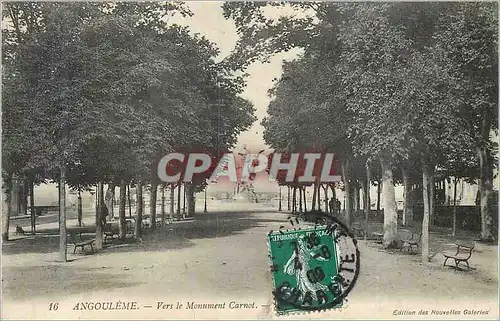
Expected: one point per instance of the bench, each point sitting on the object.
(110, 230)
(358, 231)
(80, 244)
(40, 210)
(146, 223)
(378, 237)
(413, 241)
(462, 254)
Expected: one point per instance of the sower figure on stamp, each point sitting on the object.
(298, 264)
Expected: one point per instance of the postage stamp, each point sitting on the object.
(305, 265)
(149, 147)
(308, 265)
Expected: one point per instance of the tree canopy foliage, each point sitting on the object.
(405, 85)
(103, 88)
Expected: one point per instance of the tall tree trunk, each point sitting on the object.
(121, 210)
(108, 200)
(379, 191)
(389, 203)
(367, 198)
(140, 210)
(14, 196)
(24, 199)
(448, 195)
(184, 202)
(319, 196)
(191, 201)
(313, 204)
(152, 204)
(98, 221)
(432, 197)
(407, 207)
(129, 202)
(6, 206)
(454, 231)
(325, 191)
(356, 197)
(97, 201)
(294, 204)
(79, 209)
(179, 201)
(348, 191)
(302, 190)
(172, 201)
(362, 201)
(163, 204)
(288, 198)
(32, 206)
(425, 221)
(486, 192)
(62, 215)
(300, 199)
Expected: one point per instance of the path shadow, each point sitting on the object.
(181, 234)
(31, 244)
(169, 237)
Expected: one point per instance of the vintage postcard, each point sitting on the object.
(249, 160)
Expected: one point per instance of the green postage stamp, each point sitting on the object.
(305, 267)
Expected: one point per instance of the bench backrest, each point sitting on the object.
(416, 236)
(464, 247)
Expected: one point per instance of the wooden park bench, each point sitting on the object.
(462, 254)
(81, 244)
(378, 237)
(40, 210)
(110, 230)
(358, 231)
(145, 224)
(413, 241)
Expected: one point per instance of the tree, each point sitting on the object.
(79, 100)
(468, 34)
(370, 75)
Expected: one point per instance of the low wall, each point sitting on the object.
(468, 217)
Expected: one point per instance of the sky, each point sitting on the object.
(208, 21)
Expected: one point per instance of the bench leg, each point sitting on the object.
(456, 263)
(74, 250)
(445, 260)
(468, 267)
(91, 248)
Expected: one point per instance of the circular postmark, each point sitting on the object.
(314, 264)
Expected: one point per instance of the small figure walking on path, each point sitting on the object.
(337, 206)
